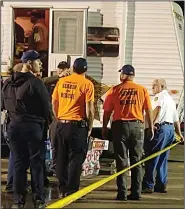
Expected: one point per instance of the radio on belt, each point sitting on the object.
(98, 144)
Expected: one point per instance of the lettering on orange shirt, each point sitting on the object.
(125, 93)
(127, 101)
(68, 87)
(72, 92)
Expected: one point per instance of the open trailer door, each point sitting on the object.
(7, 40)
(68, 29)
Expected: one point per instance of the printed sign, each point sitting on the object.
(100, 144)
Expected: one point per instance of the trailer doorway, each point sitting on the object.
(22, 33)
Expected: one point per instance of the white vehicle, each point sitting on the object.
(148, 35)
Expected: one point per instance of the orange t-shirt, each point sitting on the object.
(72, 93)
(128, 101)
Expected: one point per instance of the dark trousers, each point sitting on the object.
(28, 147)
(45, 179)
(53, 137)
(128, 136)
(44, 138)
(9, 184)
(162, 138)
(72, 150)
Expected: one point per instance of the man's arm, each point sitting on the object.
(55, 105)
(106, 118)
(36, 37)
(50, 80)
(148, 109)
(89, 100)
(2, 95)
(149, 117)
(55, 100)
(38, 34)
(54, 79)
(2, 102)
(149, 114)
(90, 115)
(42, 92)
(177, 125)
(156, 112)
(108, 109)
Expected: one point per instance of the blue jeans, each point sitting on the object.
(162, 138)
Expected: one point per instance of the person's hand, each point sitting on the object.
(104, 132)
(91, 138)
(150, 133)
(64, 73)
(89, 133)
(181, 138)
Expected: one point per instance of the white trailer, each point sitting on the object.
(148, 35)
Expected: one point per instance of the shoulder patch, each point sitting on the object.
(156, 98)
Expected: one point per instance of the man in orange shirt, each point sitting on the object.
(73, 106)
(128, 101)
(39, 39)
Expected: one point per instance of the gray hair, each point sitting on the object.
(161, 82)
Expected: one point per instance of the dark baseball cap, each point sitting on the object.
(63, 65)
(127, 70)
(80, 63)
(30, 55)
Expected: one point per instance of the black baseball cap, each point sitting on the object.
(63, 65)
(127, 70)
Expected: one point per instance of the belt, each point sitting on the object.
(81, 123)
(165, 123)
(134, 121)
(69, 121)
(157, 125)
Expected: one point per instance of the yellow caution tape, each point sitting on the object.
(71, 198)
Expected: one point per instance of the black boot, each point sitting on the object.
(121, 196)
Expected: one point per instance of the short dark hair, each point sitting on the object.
(80, 66)
(79, 71)
(62, 65)
(36, 14)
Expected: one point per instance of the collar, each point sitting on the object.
(162, 92)
(128, 81)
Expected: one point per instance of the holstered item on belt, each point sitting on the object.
(83, 124)
(157, 127)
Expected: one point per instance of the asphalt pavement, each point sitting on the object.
(104, 197)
